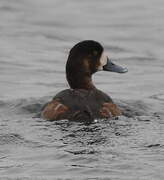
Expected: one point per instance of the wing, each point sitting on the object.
(54, 110)
(109, 109)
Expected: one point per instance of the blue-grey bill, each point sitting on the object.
(110, 66)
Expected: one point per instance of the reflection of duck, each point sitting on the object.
(83, 101)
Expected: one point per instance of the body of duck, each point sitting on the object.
(83, 101)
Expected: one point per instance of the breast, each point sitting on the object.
(83, 104)
(80, 105)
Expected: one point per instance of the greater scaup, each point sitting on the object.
(83, 101)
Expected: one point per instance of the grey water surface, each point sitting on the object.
(35, 38)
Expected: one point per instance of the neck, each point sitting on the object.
(80, 81)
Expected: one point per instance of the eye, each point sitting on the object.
(95, 53)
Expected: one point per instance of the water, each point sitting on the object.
(35, 38)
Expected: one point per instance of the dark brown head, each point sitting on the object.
(84, 59)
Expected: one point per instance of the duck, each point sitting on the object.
(83, 101)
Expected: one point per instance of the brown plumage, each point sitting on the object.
(82, 102)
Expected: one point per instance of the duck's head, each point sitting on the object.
(86, 58)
